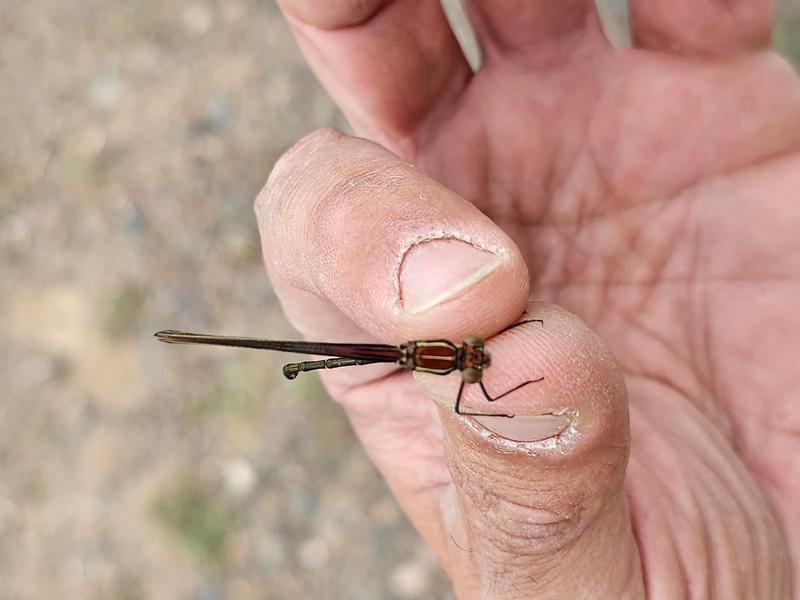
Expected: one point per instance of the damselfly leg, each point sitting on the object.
(486, 394)
(490, 398)
(474, 414)
(513, 325)
(507, 392)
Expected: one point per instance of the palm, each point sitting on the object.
(662, 237)
(663, 241)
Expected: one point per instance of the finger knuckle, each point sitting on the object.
(519, 521)
(290, 168)
(332, 15)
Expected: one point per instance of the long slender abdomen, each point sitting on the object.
(372, 352)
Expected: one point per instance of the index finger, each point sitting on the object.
(355, 239)
(388, 65)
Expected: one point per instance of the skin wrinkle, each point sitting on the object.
(685, 194)
(689, 322)
(677, 281)
(740, 486)
(657, 267)
(729, 542)
(735, 494)
(358, 13)
(603, 187)
(489, 562)
(687, 560)
(693, 274)
(653, 566)
(574, 271)
(574, 47)
(689, 280)
(544, 179)
(633, 321)
(636, 533)
(662, 258)
(518, 534)
(565, 234)
(750, 415)
(773, 423)
(731, 486)
(544, 566)
(714, 27)
(492, 196)
(704, 331)
(713, 535)
(481, 497)
(459, 546)
(634, 570)
(712, 566)
(684, 573)
(573, 226)
(668, 383)
(704, 380)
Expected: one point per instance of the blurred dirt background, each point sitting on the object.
(134, 136)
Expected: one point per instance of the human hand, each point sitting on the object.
(653, 193)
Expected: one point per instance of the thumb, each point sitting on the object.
(361, 246)
(537, 506)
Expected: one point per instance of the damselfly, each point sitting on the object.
(439, 357)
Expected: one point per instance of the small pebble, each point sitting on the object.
(410, 579)
(105, 91)
(240, 477)
(197, 19)
(314, 553)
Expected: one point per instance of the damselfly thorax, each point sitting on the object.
(442, 357)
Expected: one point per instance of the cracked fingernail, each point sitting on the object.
(526, 428)
(435, 271)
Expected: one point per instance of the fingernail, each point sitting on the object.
(526, 428)
(435, 271)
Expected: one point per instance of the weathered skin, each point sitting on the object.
(653, 192)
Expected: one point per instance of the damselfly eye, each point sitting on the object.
(487, 359)
(471, 375)
(474, 340)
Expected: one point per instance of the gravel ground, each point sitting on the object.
(133, 138)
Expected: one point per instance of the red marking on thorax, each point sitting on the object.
(435, 357)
